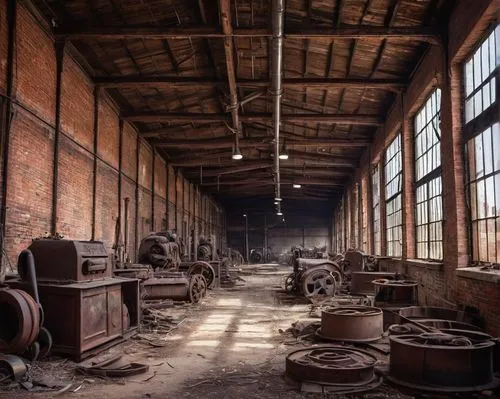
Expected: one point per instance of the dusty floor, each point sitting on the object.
(232, 345)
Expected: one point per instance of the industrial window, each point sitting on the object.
(429, 203)
(339, 227)
(355, 200)
(481, 74)
(483, 148)
(377, 241)
(393, 180)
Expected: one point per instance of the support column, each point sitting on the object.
(137, 158)
(408, 203)
(60, 46)
(153, 191)
(96, 144)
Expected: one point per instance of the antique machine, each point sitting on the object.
(161, 250)
(86, 309)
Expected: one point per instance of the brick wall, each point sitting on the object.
(83, 151)
(439, 285)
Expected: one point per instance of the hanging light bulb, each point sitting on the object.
(283, 152)
(237, 154)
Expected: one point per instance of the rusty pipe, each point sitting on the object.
(276, 77)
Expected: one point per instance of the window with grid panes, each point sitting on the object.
(377, 240)
(393, 172)
(428, 191)
(481, 72)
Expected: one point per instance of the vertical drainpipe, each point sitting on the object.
(7, 111)
(276, 89)
(60, 45)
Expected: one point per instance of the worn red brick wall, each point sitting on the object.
(109, 134)
(3, 46)
(35, 71)
(160, 185)
(145, 216)
(145, 165)
(106, 204)
(484, 296)
(31, 152)
(77, 104)
(29, 194)
(74, 191)
(129, 161)
(128, 191)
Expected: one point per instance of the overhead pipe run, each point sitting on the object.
(276, 89)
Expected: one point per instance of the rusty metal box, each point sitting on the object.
(85, 318)
(70, 261)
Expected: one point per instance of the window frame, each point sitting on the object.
(390, 199)
(376, 205)
(477, 126)
(426, 179)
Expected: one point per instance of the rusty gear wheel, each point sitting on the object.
(205, 269)
(318, 282)
(332, 365)
(197, 288)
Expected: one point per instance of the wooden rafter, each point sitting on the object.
(137, 81)
(257, 142)
(425, 34)
(164, 117)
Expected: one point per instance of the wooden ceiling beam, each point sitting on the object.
(137, 82)
(258, 142)
(266, 181)
(227, 29)
(188, 131)
(165, 117)
(426, 34)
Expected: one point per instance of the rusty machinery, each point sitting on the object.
(160, 250)
(314, 277)
(443, 362)
(175, 285)
(351, 324)
(344, 370)
(395, 293)
(206, 250)
(86, 309)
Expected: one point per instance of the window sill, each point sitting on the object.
(490, 276)
(425, 264)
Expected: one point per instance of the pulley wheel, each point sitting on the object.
(19, 320)
(205, 269)
(197, 288)
(318, 282)
(331, 365)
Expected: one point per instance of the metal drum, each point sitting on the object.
(331, 365)
(442, 362)
(352, 323)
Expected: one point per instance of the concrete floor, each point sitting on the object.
(233, 345)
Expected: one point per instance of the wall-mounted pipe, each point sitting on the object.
(276, 77)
